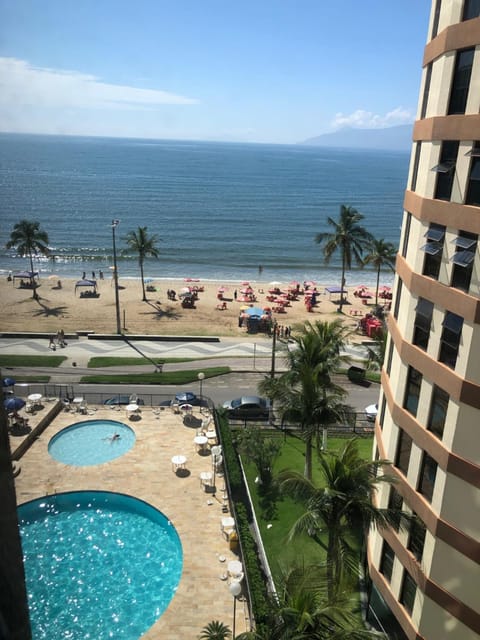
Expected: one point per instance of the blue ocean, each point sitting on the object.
(220, 210)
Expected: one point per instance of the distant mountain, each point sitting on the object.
(392, 138)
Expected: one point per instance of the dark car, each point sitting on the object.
(123, 399)
(248, 407)
(186, 397)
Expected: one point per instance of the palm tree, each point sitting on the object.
(302, 611)
(30, 240)
(348, 237)
(381, 254)
(145, 245)
(340, 510)
(215, 630)
(305, 393)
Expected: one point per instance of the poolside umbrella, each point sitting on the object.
(8, 382)
(13, 403)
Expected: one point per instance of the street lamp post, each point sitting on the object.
(235, 589)
(115, 223)
(201, 378)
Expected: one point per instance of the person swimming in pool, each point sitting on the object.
(113, 438)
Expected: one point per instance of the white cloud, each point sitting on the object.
(361, 119)
(22, 84)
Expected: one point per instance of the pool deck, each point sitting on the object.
(145, 472)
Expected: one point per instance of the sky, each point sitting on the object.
(270, 71)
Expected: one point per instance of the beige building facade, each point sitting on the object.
(428, 421)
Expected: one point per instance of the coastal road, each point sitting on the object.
(249, 360)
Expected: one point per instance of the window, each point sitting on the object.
(402, 457)
(433, 250)
(396, 307)
(465, 249)
(426, 91)
(471, 9)
(445, 170)
(436, 18)
(422, 323)
(395, 502)
(386, 561)
(461, 81)
(416, 539)
(408, 592)
(383, 408)
(473, 188)
(428, 473)
(390, 357)
(406, 235)
(438, 412)
(450, 340)
(416, 162)
(412, 391)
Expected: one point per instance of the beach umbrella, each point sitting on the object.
(8, 382)
(13, 403)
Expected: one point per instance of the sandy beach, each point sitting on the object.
(63, 308)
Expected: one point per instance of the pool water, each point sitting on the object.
(98, 565)
(91, 442)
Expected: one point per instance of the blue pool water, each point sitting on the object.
(91, 442)
(98, 565)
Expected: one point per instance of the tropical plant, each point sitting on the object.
(340, 511)
(348, 237)
(302, 611)
(381, 254)
(215, 630)
(376, 351)
(30, 240)
(145, 246)
(305, 394)
(259, 449)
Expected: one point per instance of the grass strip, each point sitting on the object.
(31, 361)
(171, 377)
(101, 362)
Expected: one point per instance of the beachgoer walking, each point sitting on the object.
(51, 344)
(93, 275)
(84, 275)
(61, 338)
(100, 274)
(235, 294)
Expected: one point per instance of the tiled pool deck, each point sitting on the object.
(146, 473)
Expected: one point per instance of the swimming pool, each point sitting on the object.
(98, 565)
(91, 442)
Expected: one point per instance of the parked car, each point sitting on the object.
(186, 397)
(371, 412)
(122, 399)
(248, 407)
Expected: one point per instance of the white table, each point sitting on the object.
(186, 408)
(178, 462)
(205, 478)
(200, 442)
(131, 408)
(234, 568)
(34, 398)
(211, 435)
(228, 524)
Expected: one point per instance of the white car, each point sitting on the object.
(371, 412)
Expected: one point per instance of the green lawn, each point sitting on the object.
(282, 512)
(100, 362)
(31, 361)
(171, 377)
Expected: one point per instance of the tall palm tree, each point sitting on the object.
(341, 509)
(305, 394)
(348, 237)
(381, 254)
(302, 611)
(30, 240)
(145, 245)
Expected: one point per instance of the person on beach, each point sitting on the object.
(84, 275)
(235, 294)
(100, 275)
(51, 344)
(93, 275)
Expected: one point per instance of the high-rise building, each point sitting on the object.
(428, 422)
